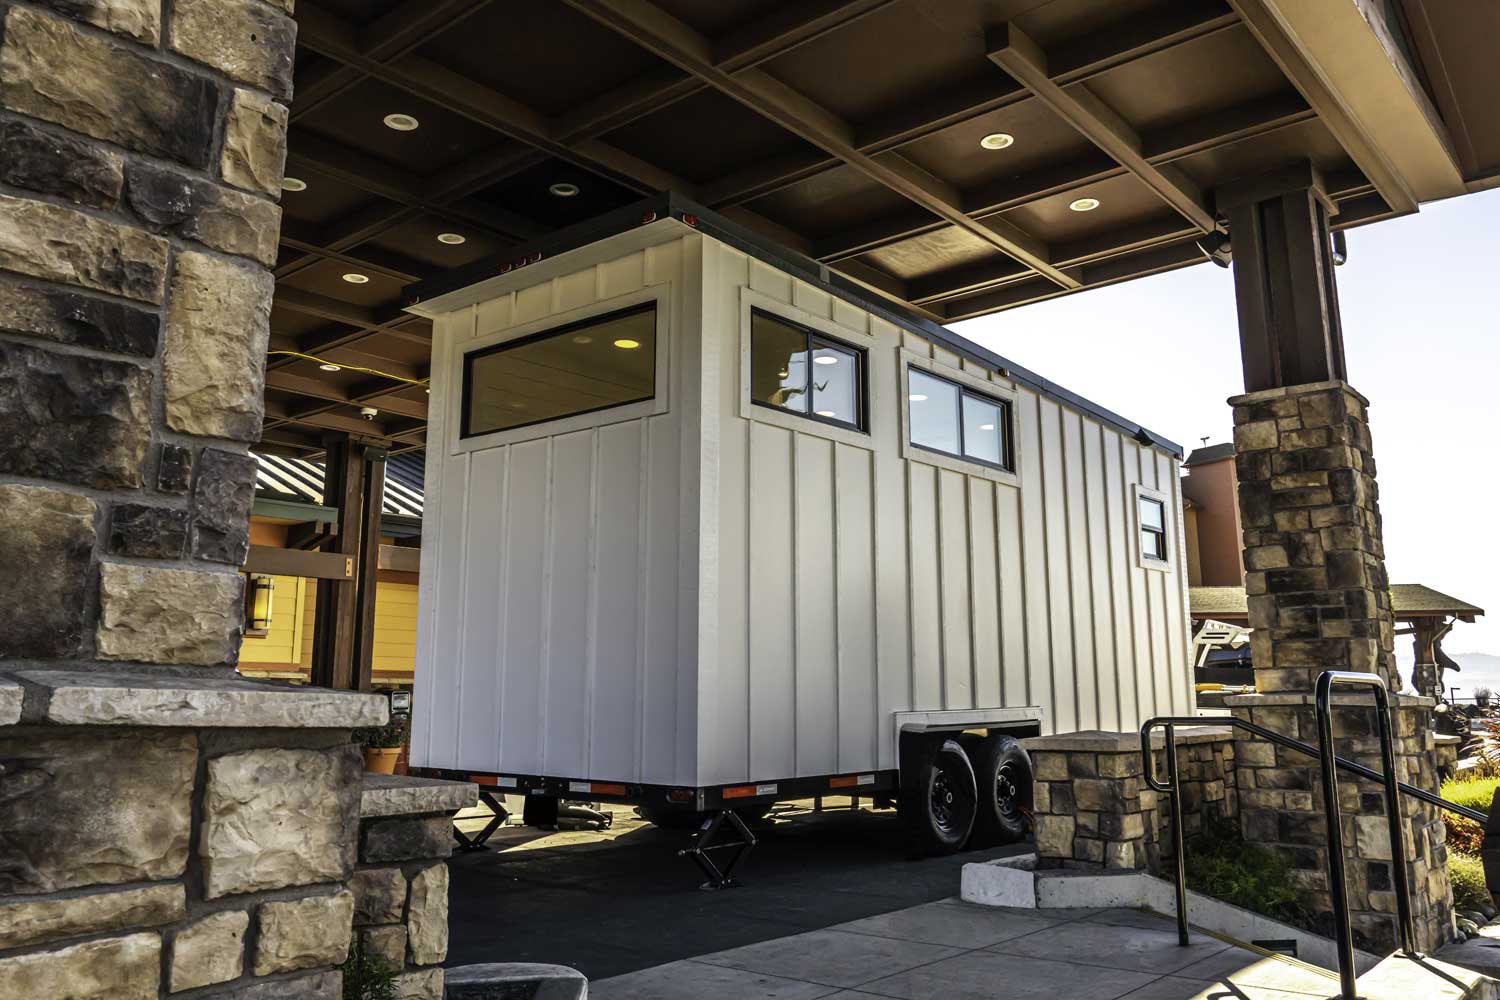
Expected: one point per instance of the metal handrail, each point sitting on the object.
(1331, 763)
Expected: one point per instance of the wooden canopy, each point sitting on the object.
(957, 156)
(1411, 602)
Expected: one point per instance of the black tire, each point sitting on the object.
(1002, 771)
(944, 803)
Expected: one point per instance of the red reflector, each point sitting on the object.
(680, 795)
(482, 779)
(649, 217)
(601, 789)
(739, 792)
(843, 781)
(691, 220)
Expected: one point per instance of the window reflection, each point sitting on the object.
(792, 368)
(835, 385)
(982, 430)
(934, 412)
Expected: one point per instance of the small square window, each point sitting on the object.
(794, 369)
(945, 417)
(1153, 514)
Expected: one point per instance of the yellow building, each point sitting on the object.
(288, 495)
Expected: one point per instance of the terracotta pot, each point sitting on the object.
(381, 760)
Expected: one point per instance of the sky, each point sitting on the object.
(1419, 297)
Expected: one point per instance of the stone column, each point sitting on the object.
(164, 825)
(1315, 568)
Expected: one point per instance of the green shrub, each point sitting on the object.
(1220, 864)
(1475, 793)
(1466, 872)
(365, 976)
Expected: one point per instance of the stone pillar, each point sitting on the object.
(1315, 568)
(164, 825)
(401, 885)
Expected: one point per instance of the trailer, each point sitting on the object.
(708, 527)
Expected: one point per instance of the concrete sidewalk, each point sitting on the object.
(951, 950)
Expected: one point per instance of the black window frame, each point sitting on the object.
(464, 430)
(1143, 529)
(1007, 422)
(816, 339)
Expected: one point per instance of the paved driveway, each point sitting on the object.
(620, 901)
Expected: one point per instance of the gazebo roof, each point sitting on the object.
(1410, 600)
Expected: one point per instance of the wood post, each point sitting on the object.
(1290, 332)
(333, 629)
(373, 464)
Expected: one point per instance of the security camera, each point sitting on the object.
(368, 412)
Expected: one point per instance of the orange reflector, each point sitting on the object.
(481, 779)
(843, 781)
(602, 789)
(680, 795)
(740, 792)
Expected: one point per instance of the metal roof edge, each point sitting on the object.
(696, 217)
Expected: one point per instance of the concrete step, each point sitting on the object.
(1400, 978)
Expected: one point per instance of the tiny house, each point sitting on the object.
(707, 527)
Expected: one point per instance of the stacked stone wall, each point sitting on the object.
(141, 153)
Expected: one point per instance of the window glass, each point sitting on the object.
(1151, 514)
(982, 430)
(582, 367)
(933, 407)
(835, 384)
(778, 363)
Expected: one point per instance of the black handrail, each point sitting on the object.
(1331, 763)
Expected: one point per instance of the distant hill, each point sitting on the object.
(1478, 668)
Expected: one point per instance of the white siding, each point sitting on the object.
(717, 593)
(553, 587)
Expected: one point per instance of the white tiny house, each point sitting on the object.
(703, 523)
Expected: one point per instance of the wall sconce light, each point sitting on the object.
(258, 595)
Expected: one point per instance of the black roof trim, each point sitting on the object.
(674, 206)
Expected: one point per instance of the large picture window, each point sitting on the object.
(794, 369)
(948, 418)
(590, 365)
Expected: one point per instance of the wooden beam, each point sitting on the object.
(1271, 31)
(299, 562)
(671, 39)
(373, 463)
(1013, 51)
(1072, 61)
(401, 558)
(381, 392)
(334, 626)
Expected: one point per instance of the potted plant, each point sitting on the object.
(382, 745)
(1482, 696)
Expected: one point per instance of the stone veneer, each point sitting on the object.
(166, 828)
(1093, 808)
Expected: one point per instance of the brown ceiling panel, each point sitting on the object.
(514, 48)
(325, 200)
(400, 349)
(292, 323)
(1308, 139)
(357, 118)
(1059, 21)
(834, 200)
(419, 241)
(1122, 200)
(360, 12)
(528, 193)
(881, 60)
(935, 251)
(720, 16)
(705, 136)
(325, 277)
(1220, 69)
(1041, 139)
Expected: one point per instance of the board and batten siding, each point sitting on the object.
(720, 593)
(555, 605)
(855, 582)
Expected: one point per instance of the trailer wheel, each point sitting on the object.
(1002, 770)
(945, 801)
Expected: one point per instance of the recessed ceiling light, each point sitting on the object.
(401, 123)
(825, 360)
(331, 367)
(293, 184)
(564, 189)
(518, 405)
(452, 239)
(627, 345)
(583, 338)
(355, 278)
(1084, 204)
(826, 413)
(917, 397)
(997, 140)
